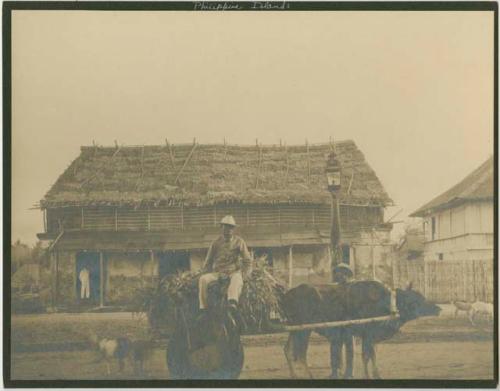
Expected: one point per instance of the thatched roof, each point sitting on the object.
(476, 186)
(210, 174)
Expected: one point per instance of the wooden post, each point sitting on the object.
(182, 216)
(338, 323)
(426, 280)
(215, 215)
(474, 280)
(464, 280)
(337, 211)
(149, 220)
(335, 231)
(83, 220)
(108, 264)
(290, 267)
(75, 277)
(116, 219)
(170, 153)
(485, 283)
(52, 277)
(45, 220)
(185, 163)
(393, 270)
(54, 269)
(57, 278)
(152, 258)
(279, 218)
(143, 262)
(372, 257)
(330, 266)
(352, 259)
(101, 279)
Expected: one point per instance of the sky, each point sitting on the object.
(414, 90)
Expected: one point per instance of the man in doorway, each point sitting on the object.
(84, 283)
(228, 255)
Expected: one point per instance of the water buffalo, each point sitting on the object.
(354, 300)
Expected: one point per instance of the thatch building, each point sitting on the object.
(133, 214)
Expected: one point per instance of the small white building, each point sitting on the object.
(458, 224)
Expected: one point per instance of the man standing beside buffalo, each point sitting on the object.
(342, 273)
(228, 255)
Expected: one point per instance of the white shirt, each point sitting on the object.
(84, 275)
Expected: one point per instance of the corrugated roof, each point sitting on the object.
(476, 186)
(209, 174)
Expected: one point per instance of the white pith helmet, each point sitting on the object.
(228, 220)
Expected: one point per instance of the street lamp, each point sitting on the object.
(333, 171)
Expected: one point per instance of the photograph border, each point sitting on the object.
(224, 6)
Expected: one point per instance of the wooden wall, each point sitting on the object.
(180, 218)
(464, 232)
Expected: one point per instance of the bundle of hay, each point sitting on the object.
(259, 302)
(260, 299)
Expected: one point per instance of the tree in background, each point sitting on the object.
(25, 265)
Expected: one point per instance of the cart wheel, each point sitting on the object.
(228, 357)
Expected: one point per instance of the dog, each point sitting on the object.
(110, 349)
(481, 308)
(462, 306)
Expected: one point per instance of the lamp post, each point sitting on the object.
(333, 170)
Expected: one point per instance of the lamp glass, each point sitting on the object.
(333, 178)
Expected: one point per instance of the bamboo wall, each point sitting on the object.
(180, 218)
(445, 281)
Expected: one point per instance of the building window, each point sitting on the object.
(433, 228)
(440, 256)
(346, 254)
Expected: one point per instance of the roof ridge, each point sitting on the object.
(484, 172)
(478, 176)
(123, 146)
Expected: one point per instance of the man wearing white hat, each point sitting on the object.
(227, 255)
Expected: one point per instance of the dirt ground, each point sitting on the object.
(430, 348)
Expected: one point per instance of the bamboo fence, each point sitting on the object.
(446, 281)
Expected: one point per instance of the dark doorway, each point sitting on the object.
(89, 261)
(171, 262)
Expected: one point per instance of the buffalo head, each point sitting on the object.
(412, 304)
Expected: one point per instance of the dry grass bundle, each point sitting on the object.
(260, 299)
